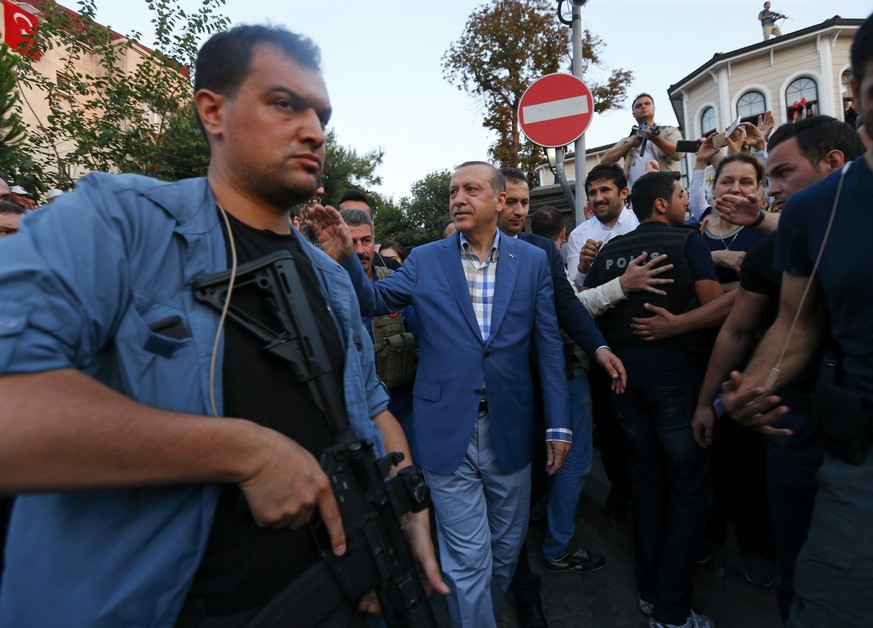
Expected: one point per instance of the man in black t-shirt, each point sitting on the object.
(823, 238)
(799, 154)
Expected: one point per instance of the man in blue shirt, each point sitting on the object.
(164, 515)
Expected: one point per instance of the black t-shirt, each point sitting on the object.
(244, 565)
(759, 275)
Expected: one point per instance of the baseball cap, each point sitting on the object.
(53, 193)
(17, 189)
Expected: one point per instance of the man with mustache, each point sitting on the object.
(397, 364)
(484, 303)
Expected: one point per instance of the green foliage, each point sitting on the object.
(111, 111)
(423, 214)
(505, 46)
(344, 168)
(390, 221)
(16, 164)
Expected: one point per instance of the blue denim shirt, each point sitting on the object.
(79, 287)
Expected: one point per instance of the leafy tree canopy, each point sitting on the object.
(345, 168)
(111, 108)
(508, 44)
(424, 213)
(16, 164)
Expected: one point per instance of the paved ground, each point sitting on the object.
(608, 598)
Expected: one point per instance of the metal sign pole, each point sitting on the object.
(581, 172)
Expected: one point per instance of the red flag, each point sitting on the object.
(20, 26)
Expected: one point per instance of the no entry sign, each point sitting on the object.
(555, 110)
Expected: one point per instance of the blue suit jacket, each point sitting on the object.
(455, 361)
(572, 315)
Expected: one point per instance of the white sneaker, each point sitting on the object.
(694, 621)
(646, 608)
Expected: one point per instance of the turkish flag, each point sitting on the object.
(20, 26)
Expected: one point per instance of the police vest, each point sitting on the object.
(614, 258)
(396, 349)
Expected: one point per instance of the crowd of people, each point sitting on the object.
(167, 470)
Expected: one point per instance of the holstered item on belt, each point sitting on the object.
(844, 415)
(396, 351)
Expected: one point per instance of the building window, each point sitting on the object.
(63, 83)
(751, 104)
(802, 99)
(67, 169)
(707, 121)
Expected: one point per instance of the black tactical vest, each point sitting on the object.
(614, 258)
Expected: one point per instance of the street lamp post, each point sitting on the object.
(576, 34)
(575, 24)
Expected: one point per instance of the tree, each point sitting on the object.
(133, 110)
(425, 212)
(390, 222)
(345, 168)
(505, 46)
(16, 165)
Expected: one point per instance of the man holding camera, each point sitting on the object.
(646, 142)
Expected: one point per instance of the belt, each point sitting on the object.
(483, 405)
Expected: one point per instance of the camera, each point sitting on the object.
(640, 131)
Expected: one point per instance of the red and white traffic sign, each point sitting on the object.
(555, 110)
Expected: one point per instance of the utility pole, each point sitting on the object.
(581, 171)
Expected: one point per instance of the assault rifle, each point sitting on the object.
(377, 556)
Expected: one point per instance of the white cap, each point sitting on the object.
(17, 189)
(53, 193)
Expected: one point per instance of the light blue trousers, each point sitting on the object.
(481, 515)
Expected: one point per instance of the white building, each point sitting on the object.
(801, 73)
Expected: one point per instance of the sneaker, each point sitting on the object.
(694, 621)
(646, 608)
(700, 621)
(759, 571)
(577, 561)
(705, 551)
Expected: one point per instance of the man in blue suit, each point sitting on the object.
(484, 302)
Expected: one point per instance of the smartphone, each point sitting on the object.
(687, 146)
(732, 127)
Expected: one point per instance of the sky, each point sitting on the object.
(382, 63)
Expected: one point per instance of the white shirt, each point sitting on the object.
(593, 229)
(638, 163)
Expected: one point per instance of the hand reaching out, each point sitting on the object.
(333, 233)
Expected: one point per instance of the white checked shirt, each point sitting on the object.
(481, 279)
